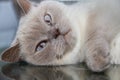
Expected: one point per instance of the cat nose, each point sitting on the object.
(54, 32)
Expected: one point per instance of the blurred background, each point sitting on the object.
(9, 21)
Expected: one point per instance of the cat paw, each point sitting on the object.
(98, 61)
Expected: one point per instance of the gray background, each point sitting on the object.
(8, 23)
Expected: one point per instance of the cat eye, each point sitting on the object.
(41, 45)
(48, 19)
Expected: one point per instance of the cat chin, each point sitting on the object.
(68, 59)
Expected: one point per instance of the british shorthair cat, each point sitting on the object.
(53, 33)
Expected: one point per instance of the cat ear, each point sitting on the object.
(22, 6)
(11, 54)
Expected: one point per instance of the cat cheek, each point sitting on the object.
(70, 40)
(46, 56)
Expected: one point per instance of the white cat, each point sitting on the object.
(52, 33)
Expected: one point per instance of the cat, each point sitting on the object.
(53, 33)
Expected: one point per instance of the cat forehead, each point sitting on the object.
(51, 6)
(34, 23)
(54, 8)
(37, 14)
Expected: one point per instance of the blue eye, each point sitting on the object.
(48, 19)
(41, 45)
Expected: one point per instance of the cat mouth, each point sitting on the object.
(67, 32)
(66, 35)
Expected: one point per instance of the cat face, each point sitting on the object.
(44, 36)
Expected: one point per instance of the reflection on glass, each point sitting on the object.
(114, 72)
(28, 72)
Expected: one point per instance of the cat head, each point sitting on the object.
(45, 35)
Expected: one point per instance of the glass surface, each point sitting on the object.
(24, 71)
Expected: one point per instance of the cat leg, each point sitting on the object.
(97, 54)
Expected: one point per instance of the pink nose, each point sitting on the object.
(54, 33)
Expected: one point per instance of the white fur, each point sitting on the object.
(78, 19)
(115, 50)
(81, 12)
(78, 15)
